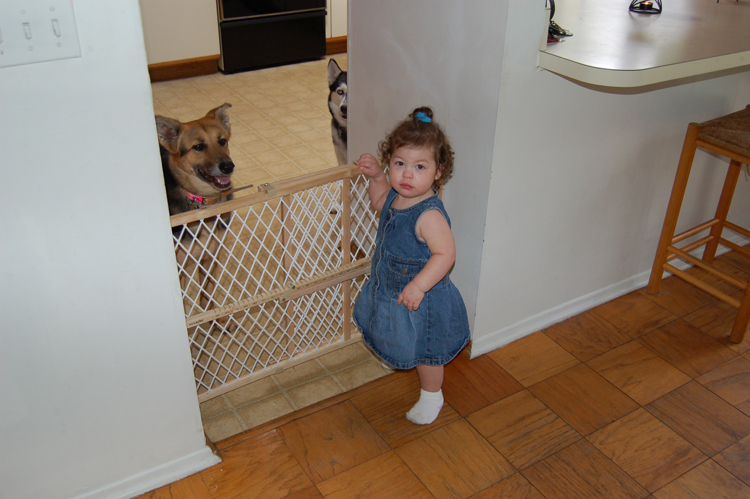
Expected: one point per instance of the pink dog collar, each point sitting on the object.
(202, 200)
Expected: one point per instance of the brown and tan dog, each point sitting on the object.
(197, 173)
(195, 159)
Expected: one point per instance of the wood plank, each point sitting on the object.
(637, 371)
(471, 385)
(514, 487)
(385, 407)
(585, 400)
(193, 487)
(738, 278)
(586, 335)
(533, 358)
(523, 429)
(287, 293)
(259, 467)
(679, 297)
(634, 314)
(269, 192)
(309, 493)
(717, 320)
(455, 461)
(701, 284)
(258, 430)
(701, 418)
(736, 259)
(646, 449)
(707, 481)
(581, 471)
(731, 382)
(736, 459)
(331, 441)
(384, 477)
(686, 347)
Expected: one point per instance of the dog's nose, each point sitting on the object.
(226, 167)
(343, 111)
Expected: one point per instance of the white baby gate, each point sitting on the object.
(269, 279)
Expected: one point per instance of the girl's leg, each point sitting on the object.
(431, 377)
(426, 410)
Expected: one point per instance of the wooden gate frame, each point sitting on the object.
(287, 292)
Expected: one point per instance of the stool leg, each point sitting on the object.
(725, 201)
(673, 209)
(742, 320)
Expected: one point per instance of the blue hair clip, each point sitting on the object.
(421, 116)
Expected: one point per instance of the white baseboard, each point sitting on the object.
(157, 477)
(547, 318)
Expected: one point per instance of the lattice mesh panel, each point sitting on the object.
(251, 340)
(229, 264)
(364, 221)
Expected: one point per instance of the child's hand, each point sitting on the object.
(369, 166)
(411, 297)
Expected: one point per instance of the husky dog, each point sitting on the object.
(195, 160)
(337, 103)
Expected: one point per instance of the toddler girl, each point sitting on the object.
(410, 313)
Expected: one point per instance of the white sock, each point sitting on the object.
(427, 408)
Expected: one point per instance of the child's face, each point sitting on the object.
(412, 171)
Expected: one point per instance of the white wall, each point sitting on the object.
(337, 21)
(447, 55)
(580, 184)
(186, 29)
(571, 182)
(98, 396)
(179, 29)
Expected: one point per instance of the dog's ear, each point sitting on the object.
(169, 132)
(220, 113)
(333, 71)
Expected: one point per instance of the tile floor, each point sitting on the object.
(280, 129)
(289, 391)
(279, 117)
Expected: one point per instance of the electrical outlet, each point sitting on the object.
(37, 31)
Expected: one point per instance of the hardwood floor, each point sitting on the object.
(642, 397)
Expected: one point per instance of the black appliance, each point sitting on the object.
(261, 33)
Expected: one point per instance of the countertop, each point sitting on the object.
(612, 46)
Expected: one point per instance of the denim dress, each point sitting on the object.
(439, 329)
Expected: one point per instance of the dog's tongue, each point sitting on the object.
(223, 180)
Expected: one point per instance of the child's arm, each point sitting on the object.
(433, 228)
(378, 186)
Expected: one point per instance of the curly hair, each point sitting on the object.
(420, 130)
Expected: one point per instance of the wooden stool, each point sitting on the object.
(730, 137)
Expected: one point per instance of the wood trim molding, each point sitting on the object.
(184, 68)
(336, 45)
(199, 66)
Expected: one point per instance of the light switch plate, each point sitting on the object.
(34, 31)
